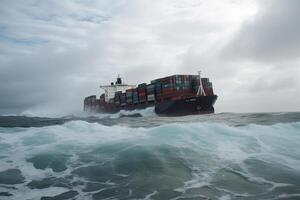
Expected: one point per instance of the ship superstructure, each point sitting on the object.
(111, 89)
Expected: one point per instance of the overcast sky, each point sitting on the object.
(54, 53)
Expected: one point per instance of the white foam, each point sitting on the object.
(198, 181)
(225, 197)
(279, 113)
(26, 193)
(90, 133)
(195, 196)
(287, 196)
(8, 115)
(147, 112)
(219, 143)
(148, 196)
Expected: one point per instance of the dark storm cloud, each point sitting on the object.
(25, 82)
(261, 60)
(273, 35)
(82, 51)
(54, 53)
(47, 58)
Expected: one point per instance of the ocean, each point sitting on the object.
(138, 155)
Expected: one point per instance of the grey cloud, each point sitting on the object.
(273, 35)
(87, 43)
(266, 84)
(60, 74)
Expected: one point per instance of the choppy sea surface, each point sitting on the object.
(138, 155)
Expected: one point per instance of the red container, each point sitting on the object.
(129, 90)
(167, 90)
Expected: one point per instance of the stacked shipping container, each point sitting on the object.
(171, 87)
(91, 103)
(117, 99)
(158, 90)
(123, 99)
(150, 93)
(142, 92)
(135, 96)
(129, 95)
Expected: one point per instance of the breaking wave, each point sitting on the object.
(84, 160)
(136, 113)
(147, 112)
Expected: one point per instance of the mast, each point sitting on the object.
(200, 91)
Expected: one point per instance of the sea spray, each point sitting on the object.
(153, 158)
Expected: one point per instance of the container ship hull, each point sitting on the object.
(175, 95)
(180, 107)
(188, 106)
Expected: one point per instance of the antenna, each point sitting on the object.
(200, 91)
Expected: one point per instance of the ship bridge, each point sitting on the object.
(111, 89)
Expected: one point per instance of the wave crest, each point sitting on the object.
(178, 160)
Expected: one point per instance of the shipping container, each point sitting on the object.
(123, 99)
(129, 94)
(91, 103)
(150, 89)
(112, 100)
(142, 92)
(142, 85)
(142, 89)
(143, 100)
(167, 90)
(135, 97)
(97, 104)
(117, 98)
(150, 98)
(158, 90)
(102, 99)
(210, 89)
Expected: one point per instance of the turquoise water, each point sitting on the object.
(222, 156)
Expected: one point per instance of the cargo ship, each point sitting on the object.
(175, 95)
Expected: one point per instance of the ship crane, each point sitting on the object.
(200, 91)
